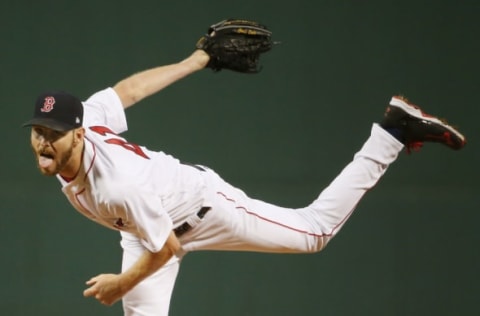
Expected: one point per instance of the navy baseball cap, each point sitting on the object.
(57, 110)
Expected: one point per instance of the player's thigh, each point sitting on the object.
(238, 222)
(151, 297)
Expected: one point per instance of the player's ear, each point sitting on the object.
(78, 135)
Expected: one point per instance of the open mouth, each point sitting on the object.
(45, 160)
(46, 155)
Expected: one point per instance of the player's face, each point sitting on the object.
(53, 149)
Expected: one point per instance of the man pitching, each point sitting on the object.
(164, 209)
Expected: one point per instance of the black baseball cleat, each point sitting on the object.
(413, 127)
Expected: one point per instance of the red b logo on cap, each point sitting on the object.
(48, 104)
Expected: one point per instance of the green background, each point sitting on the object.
(411, 248)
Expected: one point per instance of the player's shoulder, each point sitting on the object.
(105, 108)
(103, 97)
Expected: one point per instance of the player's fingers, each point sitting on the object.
(92, 281)
(104, 301)
(90, 292)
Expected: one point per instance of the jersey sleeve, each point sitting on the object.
(105, 108)
(141, 212)
(152, 222)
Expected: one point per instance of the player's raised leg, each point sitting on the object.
(238, 222)
(260, 226)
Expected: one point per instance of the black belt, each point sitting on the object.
(185, 227)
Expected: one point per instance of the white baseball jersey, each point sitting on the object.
(127, 187)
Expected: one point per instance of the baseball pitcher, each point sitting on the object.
(164, 208)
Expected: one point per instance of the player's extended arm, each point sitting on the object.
(109, 288)
(143, 84)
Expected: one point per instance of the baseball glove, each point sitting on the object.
(236, 45)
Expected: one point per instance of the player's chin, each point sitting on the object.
(49, 171)
(46, 172)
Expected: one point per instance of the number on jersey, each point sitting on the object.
(117, 140)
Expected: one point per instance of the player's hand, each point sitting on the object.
(106, 288)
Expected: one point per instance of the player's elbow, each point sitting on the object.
(129, 91)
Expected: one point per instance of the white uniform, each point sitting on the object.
(145, 194)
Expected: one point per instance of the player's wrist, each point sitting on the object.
(197, 61)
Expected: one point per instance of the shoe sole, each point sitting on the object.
(415, 111)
